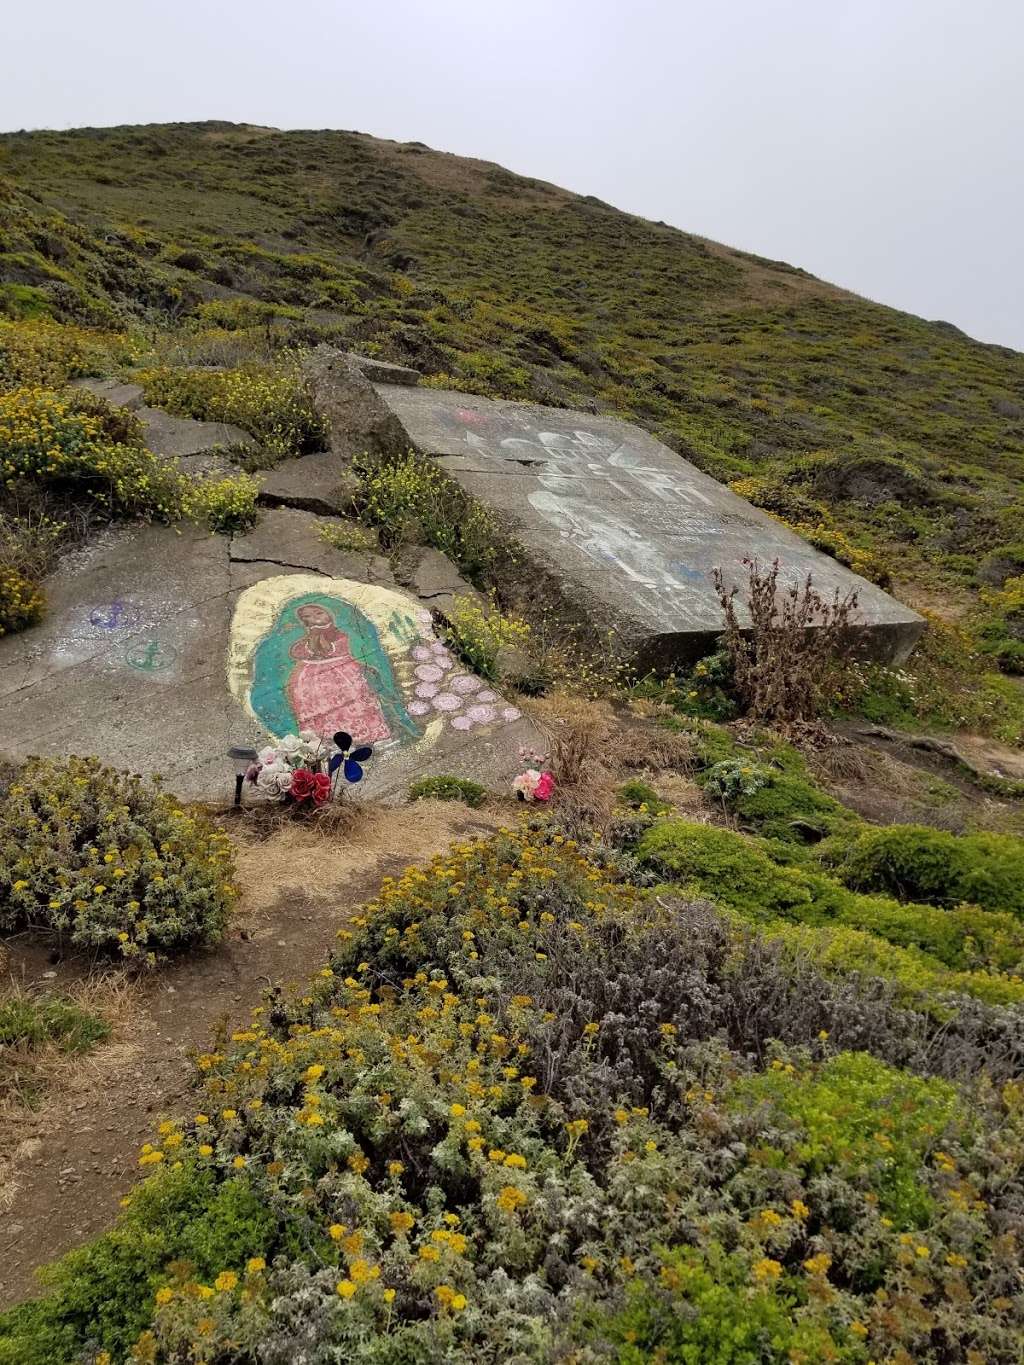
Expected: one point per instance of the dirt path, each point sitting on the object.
(78, 1155)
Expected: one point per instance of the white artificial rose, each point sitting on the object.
(268, 777)
(289, 746)
(268, 755)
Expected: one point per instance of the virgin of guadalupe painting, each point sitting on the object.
(321, 667)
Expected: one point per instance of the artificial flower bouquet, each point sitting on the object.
(306, 767)
(534, 784)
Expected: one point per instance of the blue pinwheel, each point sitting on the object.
(349, 760)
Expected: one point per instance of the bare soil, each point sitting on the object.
(69, 1162)
(898, 783)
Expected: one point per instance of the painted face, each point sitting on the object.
(315, 616)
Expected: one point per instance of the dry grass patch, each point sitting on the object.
(51, 1046)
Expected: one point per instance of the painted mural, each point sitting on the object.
(323, 654)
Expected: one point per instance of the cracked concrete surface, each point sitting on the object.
(621, 532)
(130, 663)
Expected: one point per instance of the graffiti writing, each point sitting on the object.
(116, 615)
(150, 656)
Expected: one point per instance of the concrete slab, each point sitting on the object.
(619, 528)
(291, 539)
(433, 578)
(128, 664)
(383, 371)
(314, 483)
(115, 391)
(159, 651)
(182, 437)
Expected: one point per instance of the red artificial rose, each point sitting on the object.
(303, 784)
(321, 788)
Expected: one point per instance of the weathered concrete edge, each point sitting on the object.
(537, 581)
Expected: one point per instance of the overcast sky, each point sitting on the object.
(877, 143)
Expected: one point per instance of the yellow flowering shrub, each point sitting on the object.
(226, 504)
(74, 442)
(110, 860)
(273, 404)
(47, 439)
(47, 354)
(503, 1121)
(21, 601)
(479, 633)
(410, 499)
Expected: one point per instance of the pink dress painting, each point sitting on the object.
(327, 689)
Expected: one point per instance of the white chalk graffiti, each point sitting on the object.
(580, 474)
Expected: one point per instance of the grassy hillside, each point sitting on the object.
(894, 444)
(833, 411)
(712, 1070)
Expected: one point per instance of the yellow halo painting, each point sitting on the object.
(328, 654)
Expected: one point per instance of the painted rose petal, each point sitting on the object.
(445, 701)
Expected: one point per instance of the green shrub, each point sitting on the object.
(1001, 632)
(913, 862)
(921, 980)
(789, 807)
(705, 692)
(949, 684)
(920, 941)
(445, 788)
(103, 1294)
(870, 1120)
(706, 1308)
(110, 860)
(273, 404)
(635, 794)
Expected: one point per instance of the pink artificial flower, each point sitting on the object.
(525, 784)
(544, 787)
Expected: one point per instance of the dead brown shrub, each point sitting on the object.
(583, 737)
(788, 661)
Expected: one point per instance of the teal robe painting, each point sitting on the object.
(322, 668)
